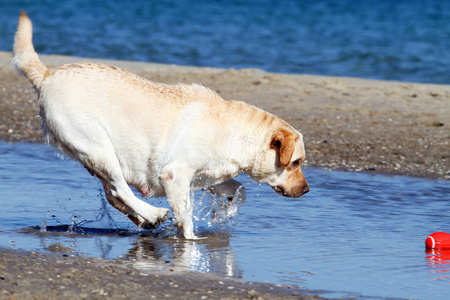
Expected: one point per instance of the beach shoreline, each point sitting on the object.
(348, 124)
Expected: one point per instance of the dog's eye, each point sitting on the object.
(296, 163)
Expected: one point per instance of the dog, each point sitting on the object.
(164, 140)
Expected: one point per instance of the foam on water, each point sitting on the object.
(352, 235)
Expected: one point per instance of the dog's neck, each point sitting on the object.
(254, 130)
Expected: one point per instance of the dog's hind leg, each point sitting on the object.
(127, 211)
(89, 143)
(122, 198)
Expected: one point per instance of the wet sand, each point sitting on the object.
(348, 124)
(29, 275)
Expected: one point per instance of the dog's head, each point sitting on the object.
(280, 166)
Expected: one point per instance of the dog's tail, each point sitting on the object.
(26, 60)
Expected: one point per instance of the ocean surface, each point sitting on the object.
(403, 40)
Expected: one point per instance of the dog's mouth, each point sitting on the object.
(281, 191)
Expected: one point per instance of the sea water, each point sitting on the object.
(405, 40)
(354, 234)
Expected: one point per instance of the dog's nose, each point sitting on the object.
(305, 189)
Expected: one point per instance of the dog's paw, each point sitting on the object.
(155, 220)
(190, 236)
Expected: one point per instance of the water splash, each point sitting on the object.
(216, 215)
(103, 218)
(213, 216)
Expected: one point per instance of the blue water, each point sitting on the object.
(405, 40)
(354, 234)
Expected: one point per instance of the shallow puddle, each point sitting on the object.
(353, 235)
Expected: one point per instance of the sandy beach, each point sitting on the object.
(348, 124)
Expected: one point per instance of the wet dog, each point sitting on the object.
(165, 140)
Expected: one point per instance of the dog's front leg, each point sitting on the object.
(231, 189)
(233, 194)
(176, 181)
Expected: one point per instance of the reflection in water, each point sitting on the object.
(207, 255)
(438, 262)
(145, 251)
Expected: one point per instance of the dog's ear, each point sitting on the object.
(284, 141)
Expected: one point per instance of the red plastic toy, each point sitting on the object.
(438, 240)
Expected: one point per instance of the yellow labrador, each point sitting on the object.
(162, 139)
